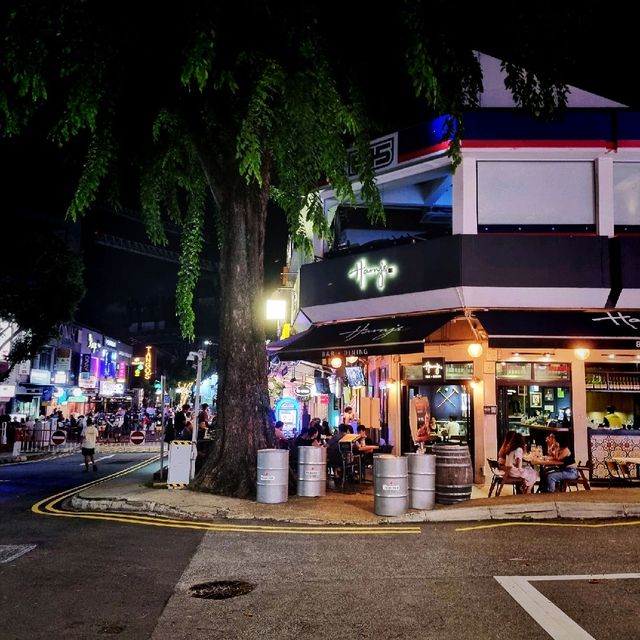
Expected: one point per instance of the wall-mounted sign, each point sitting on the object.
(148, 368)
(110, 342)
(384, 152)
(87, 381)
(7, 390)
(490, 409)
(433, 368)
(85, 363)
(60, 377)
(303, 391)
(363, 272)
(111, 388)
(93, 342)
(40, 376)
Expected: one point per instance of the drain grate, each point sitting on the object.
(221, 589)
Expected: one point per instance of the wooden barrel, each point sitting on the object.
(454, 473)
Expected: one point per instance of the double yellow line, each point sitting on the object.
(52, 506)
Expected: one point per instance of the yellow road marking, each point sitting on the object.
(51, 507)
(601, 525)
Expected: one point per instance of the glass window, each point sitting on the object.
(548, 193)
(551, 371)
(513, 370)
(626, 193)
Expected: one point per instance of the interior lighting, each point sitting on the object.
(612, 356)
(475, 349)
(582, 353)
(336, 362)
(476, 383)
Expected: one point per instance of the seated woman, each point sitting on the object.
(504, 448)
(513, 463)
(566, 461)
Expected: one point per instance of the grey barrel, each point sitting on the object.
(390, 485)
(312, 471)
(422, 480)
(273, 476)
(454, 473)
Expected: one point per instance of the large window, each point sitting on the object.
(545, 196)
(626, 195)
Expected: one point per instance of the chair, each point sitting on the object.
(628, 479)
(615, 473)
(566, 485)
(351, 464)
(500, 478)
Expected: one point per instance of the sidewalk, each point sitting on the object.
(131, 494)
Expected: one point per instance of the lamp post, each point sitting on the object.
(200, 354)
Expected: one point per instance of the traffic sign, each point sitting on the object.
(137, 437)
(58, 437)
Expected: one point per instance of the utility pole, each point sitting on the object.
(162, 392)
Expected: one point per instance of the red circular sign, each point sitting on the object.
(58, 437)
(137, 437)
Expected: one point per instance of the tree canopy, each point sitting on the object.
(220, 107)
(42, 285)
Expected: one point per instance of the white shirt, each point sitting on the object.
(89, 437)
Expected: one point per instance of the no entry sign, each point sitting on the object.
(58, 437)
(137, 437)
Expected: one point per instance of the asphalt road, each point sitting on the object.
(91, 578)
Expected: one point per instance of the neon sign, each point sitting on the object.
(147, 364)
(362, 272)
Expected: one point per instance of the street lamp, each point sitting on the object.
(276, 310)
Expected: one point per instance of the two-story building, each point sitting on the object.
(506, 292)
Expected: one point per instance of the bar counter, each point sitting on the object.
(606, 444)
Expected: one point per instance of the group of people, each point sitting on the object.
(182, 425)
(430, 433)
(511, 460)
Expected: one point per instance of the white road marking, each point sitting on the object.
(99, 459)
(9, 552)
(550, 617)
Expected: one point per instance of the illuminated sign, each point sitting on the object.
(110, 342)
(92, 343)
(147, 364)
(619, 319)
(362, 273)
(40, 376)
(7, 390)
(433, 368)
(60, 377)
(384, 152)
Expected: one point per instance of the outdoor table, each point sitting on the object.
(635, 461)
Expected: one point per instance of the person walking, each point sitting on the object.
(89, 436)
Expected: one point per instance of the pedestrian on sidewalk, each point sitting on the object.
(89, 436)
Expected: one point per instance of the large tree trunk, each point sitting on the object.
(243, 399)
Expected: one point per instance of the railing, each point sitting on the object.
(40, 441)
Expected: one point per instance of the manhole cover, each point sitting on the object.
(221, 589)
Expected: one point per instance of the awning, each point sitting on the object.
(378, 336)
(609, 329)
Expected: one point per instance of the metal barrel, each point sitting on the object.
(422, 480)
(312, 471)
(390, 485)
(454, 473)
(273, 476)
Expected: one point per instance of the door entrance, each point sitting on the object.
(447, 407)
